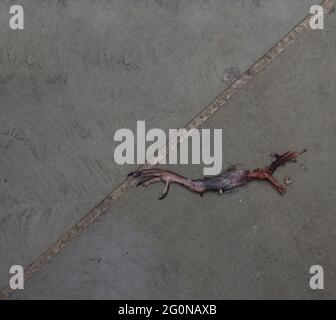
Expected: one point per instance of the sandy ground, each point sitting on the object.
(81, 70)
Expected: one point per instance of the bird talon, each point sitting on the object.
(162, 196)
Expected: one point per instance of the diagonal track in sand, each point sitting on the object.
(196, 122)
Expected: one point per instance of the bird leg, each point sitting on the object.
(150, 176)
(223, 182)
(266, 173)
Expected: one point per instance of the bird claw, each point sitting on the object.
(150, 176)
(280, 160)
